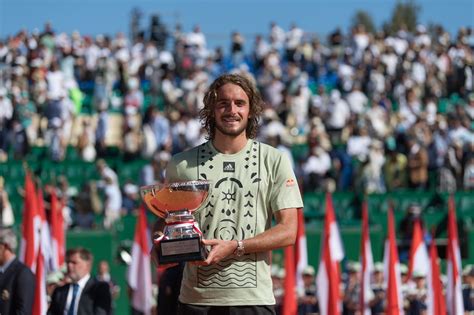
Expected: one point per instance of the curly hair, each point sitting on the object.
(206, 114)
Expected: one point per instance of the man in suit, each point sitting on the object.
(84, 295)
(17, 282)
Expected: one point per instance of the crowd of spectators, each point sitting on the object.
(361, 111)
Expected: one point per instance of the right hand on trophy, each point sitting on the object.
(220, 249)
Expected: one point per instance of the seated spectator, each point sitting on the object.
(395, 169)
(130, 199)
(469, 174)
(315, 169)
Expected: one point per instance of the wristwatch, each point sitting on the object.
(240, 250)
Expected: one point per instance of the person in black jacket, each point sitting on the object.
(17, 282)
(84, 295)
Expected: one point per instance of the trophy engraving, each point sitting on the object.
(175, 203)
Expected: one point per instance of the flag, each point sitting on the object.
(332, 252)
(301, 254)
(290, 302)
(454, 300)
(30, 226)
(392, 271)
(367, 261)
(418, 259)
(43, 258)
(139, 272)
(58, 243)
(435, 299)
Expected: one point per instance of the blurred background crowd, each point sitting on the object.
(371, 111)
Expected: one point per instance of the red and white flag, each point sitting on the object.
(435, 298)
(418, 259)
(139, 271)
(31, 226)
(367, 262)
(392, 271)
(332, 252)
(454, 300)
(42, 266)
(58, 238)
(301, 251)
(290, 300)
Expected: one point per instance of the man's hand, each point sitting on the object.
(220, 250)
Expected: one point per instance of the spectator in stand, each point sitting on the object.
(416, 296)
(18, 139)
(103, 274)
(316, 169)
(86, 141)
(6, 212)
(417, 165)
(469, 174)
(6, 113)
(377, 305)
(154, 172)
(101, 132)
(307, 300)
(112, 202)
(395, 168)
(350, 300)
(130, 199)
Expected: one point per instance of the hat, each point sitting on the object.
(162, 156)
(308, 271)
(130, 188)
(353, 266)
(419, 274)
(378, 267)
(468, 270)
(403, 269)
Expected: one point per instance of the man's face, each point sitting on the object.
(231, 111)
(77, 268)
(3, 258)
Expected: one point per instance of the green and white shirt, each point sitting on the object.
(246, 189)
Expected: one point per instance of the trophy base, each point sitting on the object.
(180, 250)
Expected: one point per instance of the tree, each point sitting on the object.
(363, 18)
(405, 16)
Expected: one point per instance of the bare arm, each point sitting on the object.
(281, 235)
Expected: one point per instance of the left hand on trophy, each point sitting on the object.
(220, 249)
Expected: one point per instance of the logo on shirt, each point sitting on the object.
(290, 182)
(229, 167)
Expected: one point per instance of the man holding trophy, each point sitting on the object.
(220, 219)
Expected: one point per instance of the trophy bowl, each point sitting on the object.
(175, 203)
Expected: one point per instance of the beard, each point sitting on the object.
(231, 131)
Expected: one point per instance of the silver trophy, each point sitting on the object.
(175, 203)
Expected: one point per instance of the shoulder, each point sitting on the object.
(21, 269)
(187, 154)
